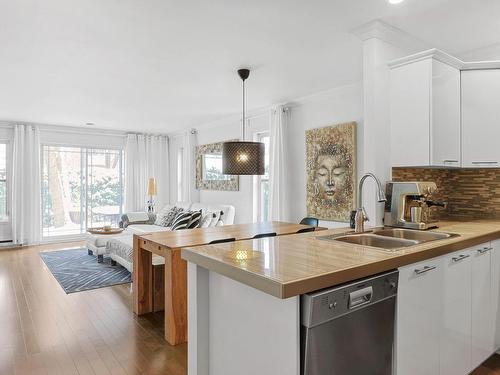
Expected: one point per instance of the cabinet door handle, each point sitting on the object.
(420, 271)
(484, 250)
(484, 162)
(460, 257)
(450, 161)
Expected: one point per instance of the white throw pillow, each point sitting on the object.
(220, 223)
(206, 220)
(215, 218)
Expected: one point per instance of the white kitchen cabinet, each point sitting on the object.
(483, 321)
(419, 318)
(495, 290)
(448, 312)
(455, 343)
(425, 113)
(481, 118)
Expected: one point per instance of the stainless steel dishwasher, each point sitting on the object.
(349, 329)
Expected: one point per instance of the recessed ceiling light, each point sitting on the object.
(395, 1)
(89, 124)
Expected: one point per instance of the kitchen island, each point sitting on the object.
(244, 297)
(168, 245)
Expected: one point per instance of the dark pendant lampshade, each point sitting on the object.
(243, 158)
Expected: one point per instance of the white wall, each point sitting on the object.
(335, 106)
(339, 105)
(222, 130)
(242, 200)
(366, 103)
(377, 149)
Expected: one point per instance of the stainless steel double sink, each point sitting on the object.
(391, 239)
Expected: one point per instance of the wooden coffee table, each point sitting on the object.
(104, 231)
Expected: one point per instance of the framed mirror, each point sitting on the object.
(209, 174)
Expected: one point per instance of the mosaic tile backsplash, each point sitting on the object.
(470, 193)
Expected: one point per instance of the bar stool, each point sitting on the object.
(312, 221)
(306, 230)
(263, 235)
(222, 241)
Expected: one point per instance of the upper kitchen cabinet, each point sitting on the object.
(481, 118)
(425, 110)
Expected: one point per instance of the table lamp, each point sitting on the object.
(151, 193)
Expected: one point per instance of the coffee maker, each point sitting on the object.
(409, 205)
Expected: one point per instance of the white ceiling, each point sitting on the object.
(161, 65)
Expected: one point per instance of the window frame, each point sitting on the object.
(8, 180)
(85, 150)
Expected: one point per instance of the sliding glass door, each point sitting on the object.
(81, 188)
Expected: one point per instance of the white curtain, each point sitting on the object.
(26, 185)
(277, 169)
(146, 156)
(189, 192)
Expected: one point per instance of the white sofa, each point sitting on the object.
(119, 247)
(227, 217)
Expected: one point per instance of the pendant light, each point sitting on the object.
(243, 157)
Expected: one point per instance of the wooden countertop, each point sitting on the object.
(291, 265)
(201, 236)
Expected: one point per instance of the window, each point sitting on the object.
(262, 193)
(81, 188)
(212, 168)
(4, 191)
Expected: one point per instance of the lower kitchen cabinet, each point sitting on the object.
(495, 289)
(483, 318)
(455, 344)
(418, 327)
(448, 312)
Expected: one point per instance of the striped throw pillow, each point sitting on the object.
(195, 220)
(168, 217)
(182, 220)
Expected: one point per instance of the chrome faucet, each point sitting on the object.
(361, 217)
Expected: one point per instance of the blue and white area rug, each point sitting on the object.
(76, 270)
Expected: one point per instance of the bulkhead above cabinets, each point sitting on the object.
(443, 112)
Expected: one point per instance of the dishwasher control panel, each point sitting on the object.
(327, 304)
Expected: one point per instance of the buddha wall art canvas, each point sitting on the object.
(331, 171)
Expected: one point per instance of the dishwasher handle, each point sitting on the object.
(360, 297)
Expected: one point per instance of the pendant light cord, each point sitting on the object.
(243, 121)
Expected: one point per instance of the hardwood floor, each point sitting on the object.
(490, 367)
(45, 331)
